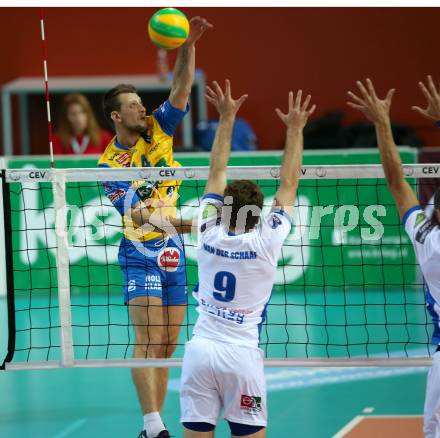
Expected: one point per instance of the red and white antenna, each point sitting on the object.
(46, 80)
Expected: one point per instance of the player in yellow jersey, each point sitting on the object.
(152, 260)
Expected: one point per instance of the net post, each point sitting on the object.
(6, 266)
(63, 265)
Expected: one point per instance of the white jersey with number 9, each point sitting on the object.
(236, 273)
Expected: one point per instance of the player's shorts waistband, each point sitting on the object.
(154, 243)
(224, 342)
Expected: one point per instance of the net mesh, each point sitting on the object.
(347, 283)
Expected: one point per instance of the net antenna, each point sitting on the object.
(46, 82)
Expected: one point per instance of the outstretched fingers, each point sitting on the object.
(356, 98)
(298, 100)
(210, 91)
(290, 100)
(217, 89)
(419, 110)
(227, 88)
(363, 90)
(241, 99)
(210, 99)
(431, 86)
(389, 96)
(306, 103)
(280, 114)
(371, 90)
(425, 91)
(355, 106)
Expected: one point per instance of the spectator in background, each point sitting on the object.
(78, 131)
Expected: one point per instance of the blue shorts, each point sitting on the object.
(155, 268)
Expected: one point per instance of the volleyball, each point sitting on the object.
(168, 28)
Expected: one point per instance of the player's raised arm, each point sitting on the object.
(432, 95)
(227, 108)
(377, 111)
(183, 74)
(295, 120)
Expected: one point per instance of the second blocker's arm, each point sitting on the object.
(377, 111)
(227, 108)
(295, 120)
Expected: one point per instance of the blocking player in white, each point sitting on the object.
(237, 259)
(423, 231)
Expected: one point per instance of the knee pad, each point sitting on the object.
(199, 426)
(239, 429)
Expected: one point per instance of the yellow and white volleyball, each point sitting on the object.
(168, 28)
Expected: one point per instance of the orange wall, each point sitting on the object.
(264, 51)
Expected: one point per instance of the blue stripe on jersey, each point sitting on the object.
(263, 318)
(213, 196)
(283, 213)
(430, 303)
(118, 145)
(408, 212)
(104, 165)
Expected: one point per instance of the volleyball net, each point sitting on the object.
(348, 290)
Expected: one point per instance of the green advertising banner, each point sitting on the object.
(346, 232)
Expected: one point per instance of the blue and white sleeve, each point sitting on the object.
(121, 195)
(275, 228)
(169, 117)
(210, 212)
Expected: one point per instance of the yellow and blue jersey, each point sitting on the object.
(155, 149)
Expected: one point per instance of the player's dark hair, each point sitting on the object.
(244, 193)
(111, 101)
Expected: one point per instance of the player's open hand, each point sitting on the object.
(375, 110)
(432, 111)
(222, 100)
(197, 27)
(298, 112)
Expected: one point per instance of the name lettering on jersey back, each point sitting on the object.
(222, 312)
(237, 255)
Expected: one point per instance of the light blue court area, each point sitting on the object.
(90, 403)
(303, 402)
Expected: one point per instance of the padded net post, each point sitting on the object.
(63, 271)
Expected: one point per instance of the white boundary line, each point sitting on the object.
(349, 426)
(71, 428)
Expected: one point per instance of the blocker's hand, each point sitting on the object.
(376, 110)
(297, 114)
(197, 27)
(432, 111)
(223, 101)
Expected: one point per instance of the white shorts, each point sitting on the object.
(431, 426)
(218, 375)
